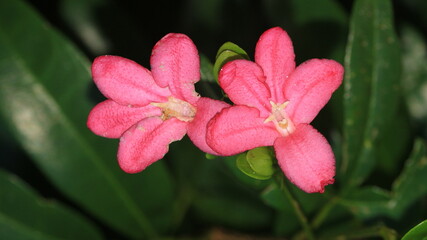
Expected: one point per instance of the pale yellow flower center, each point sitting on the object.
(280, 118)
(176, 108)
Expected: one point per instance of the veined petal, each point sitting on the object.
(147, 142)
(111, 120)
(126, 82)
(306, 158)
(206, 109)
(275, 54)
(244, 83)
(175, 64)
(310, 87)
(237, 129)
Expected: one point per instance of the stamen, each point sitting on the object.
(177, 108)
(280, 118)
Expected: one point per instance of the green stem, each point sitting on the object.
(323, 213)
(182, 205)
(298, 211)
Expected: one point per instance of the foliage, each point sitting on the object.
(60, 181)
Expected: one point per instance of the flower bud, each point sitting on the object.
(257, 163)
(226, 53)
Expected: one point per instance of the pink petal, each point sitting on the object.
(147, 142)
(206, 109)
(244, 83)
(237, 129)
(175, 64)
(310, 87)
(126, 82)
(275, 54)
(306, 158)
(111, 120)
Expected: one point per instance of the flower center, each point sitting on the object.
(176, 108)
(280, 118)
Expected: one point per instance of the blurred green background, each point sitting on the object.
(60, 181)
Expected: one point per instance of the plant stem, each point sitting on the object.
(323, 213)
(298, 211)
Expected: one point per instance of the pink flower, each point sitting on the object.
(275, 103)
(149, 110)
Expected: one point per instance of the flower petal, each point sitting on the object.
(275, 54)
(237, 129)
(306, 158)
(147, 142)
(175, 64)
(206, 109)
(126, 82)
(111, 120)
(244, 83)
(310, 87)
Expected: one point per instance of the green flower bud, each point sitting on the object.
(257, 163)
(226, 53)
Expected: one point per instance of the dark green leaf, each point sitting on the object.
(370, 202)
(418, 232)
(44, 84)
(411, 184)
(232, 211)
(25, 215)
(370, 87)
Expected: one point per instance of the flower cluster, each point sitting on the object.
(274, 103)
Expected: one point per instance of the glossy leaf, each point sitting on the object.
(25, 215)
(370, 87)
(418, 232)
(44, 85)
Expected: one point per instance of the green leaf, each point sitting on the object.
(370, 202)
(418, 232)
(232, 211)
(44, 85)
(410, 185)
(220, 198)
(371, 86)
(25, 215)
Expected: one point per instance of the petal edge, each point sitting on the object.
(306, 158)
